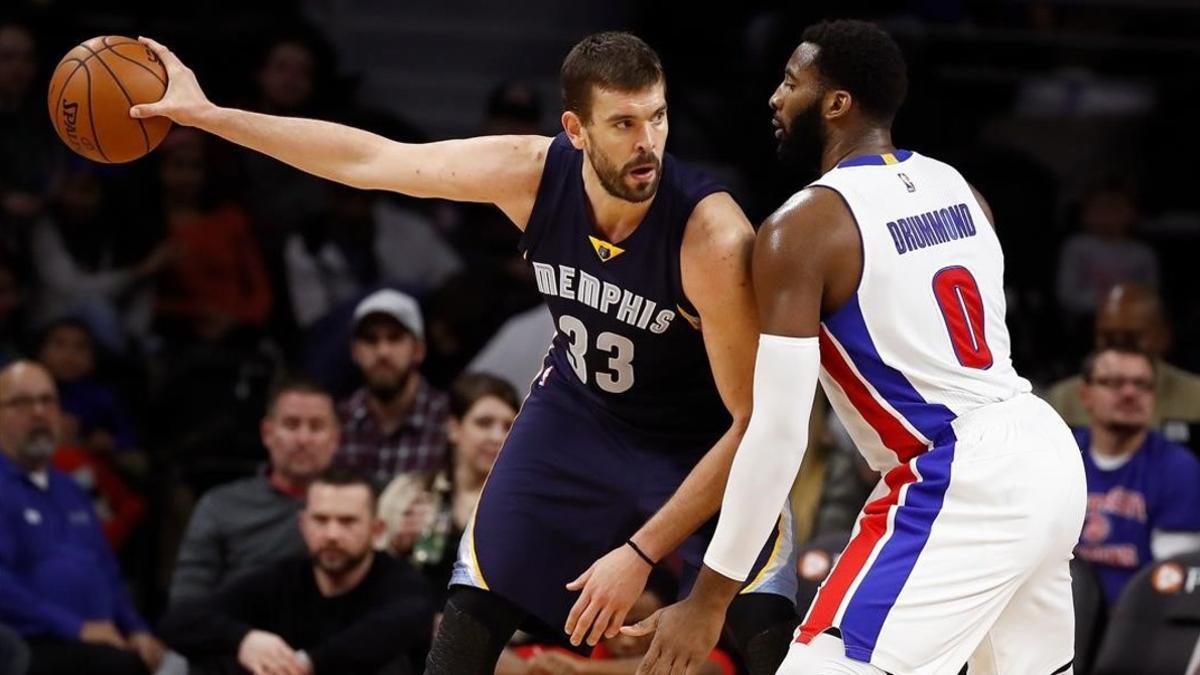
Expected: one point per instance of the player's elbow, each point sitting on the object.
(365, 170)
(375, 163)
(739, 423)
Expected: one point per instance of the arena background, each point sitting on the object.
(1041, 104)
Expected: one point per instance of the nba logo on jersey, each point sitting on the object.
(907, 182)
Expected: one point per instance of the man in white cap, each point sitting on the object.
(396, 423)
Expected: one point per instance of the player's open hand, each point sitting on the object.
(609, 588)
(684, 636)
(183, 101)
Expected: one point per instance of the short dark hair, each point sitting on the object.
(861, 58)
(344, 476)
(612, 60)
(1129, 348)
(468, 388)
(296, 384)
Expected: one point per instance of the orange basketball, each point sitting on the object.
(91, 92)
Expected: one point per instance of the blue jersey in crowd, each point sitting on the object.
(1157, 489)
(56, 568)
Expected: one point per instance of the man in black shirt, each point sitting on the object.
(342, 609)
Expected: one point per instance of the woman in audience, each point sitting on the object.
(426, 513)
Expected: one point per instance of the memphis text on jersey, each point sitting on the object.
(932, 228)
(566, 282)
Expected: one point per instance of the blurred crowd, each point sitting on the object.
(245, 413)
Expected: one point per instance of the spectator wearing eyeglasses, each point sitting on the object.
(60, 587)
(1143, 491)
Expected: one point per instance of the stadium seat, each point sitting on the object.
(1155, 627)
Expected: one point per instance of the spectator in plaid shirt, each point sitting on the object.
(396, 423)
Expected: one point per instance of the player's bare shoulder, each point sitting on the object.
(813, 217)
(717, 229)
(514, 166)
(810, 242)
(717, 246)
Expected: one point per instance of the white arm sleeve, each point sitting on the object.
(766, 463)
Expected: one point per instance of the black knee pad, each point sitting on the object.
(761, 625)
(475, 628)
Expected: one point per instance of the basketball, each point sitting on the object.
(91, 91)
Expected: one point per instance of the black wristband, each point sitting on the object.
(641, 554)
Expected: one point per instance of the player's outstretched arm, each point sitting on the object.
(715, 265)
(796, 252)
(502, 170)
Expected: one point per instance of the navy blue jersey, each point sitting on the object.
(626, 334)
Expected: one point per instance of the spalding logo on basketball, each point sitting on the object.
(90, 94)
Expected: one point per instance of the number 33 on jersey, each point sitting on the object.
(628, 339)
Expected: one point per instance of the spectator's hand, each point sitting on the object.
(184, 101)
(264, 653)
(417, 517)
(149, 649)
(102, 633)
(556, 663)
(610, 587)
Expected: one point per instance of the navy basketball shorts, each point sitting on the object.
(570, 485)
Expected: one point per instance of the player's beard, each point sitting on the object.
(612, 177)
(803, 142)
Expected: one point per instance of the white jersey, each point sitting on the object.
(923, 340)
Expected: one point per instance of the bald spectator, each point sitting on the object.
(245, 524)
(1134, 314)
(60, 587)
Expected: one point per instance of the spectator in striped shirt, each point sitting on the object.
(396, 423)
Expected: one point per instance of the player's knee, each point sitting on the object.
(475, 627)
(485, 606)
